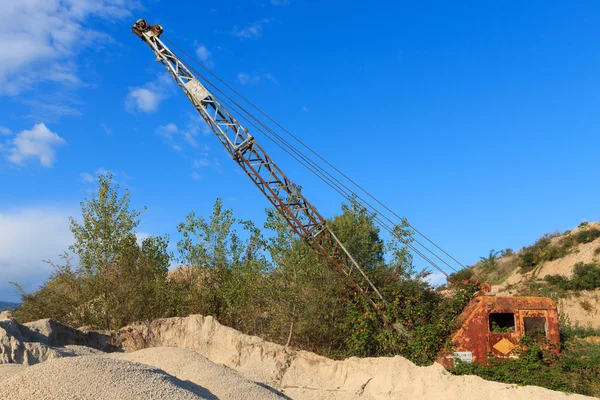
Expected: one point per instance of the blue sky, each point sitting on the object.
(475, 120)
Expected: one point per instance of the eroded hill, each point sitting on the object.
(564, 266)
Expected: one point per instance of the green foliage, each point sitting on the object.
(541, 251)
(274, 285)
(506, 253)
(577, 369)
(587, 235)
(585, 277)
(490, 262)
(117, 281)
(462, 275)
(533, 367)
(226, 278)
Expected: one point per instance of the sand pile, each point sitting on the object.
(187, 365)
(97, 378)
(42, 340)
(306, 376)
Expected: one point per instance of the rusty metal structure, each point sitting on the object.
(488, 325)
(287, 199)
(493, 326)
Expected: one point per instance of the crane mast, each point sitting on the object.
(287, 199)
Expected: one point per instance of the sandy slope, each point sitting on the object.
(307, 376)
(197, 358)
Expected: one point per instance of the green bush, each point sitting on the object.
(585, 277)
(506, 253)
(576, 370)
(463, 275)
(543, 250)
(587, 235)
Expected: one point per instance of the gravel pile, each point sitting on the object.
(222, 381)
(97, 378)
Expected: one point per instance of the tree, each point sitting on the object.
(488, 263)
(106, 232)
(224, 272)
(107, 226)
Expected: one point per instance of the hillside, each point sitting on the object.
(562, 265)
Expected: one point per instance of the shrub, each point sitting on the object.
(585, 277)
(576, 370)
(506, 253)
(587, 235)
(586, 305)
(488, 263)
(463, 275)
(543, 250)
(597, 251)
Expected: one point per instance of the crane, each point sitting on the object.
(474, 338)
(302, 217)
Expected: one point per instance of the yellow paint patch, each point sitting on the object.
(504, 346)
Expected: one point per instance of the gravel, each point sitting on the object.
(222, 381)
(97, 378)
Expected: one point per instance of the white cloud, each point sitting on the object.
(195, 126)
(253, 30)
(86, 178)
(119, 178)
(40, 142)
(243, 78)
(205, 56)
(281, 2)
(254, 79)
(436, 278)
(41, 39)
(141, 236)
(142, 100)
(147, 98)
(305, 109)
(106, 129)
(203, 162)
(271, 78)
(27, 237)
(5, 131)
(196, 176)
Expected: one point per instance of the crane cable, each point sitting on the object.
(314, 152)
(316, 166)
(338, 190)
(318, 173)
(347, 193)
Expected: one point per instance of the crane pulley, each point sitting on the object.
(285, 196)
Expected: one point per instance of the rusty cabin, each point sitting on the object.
(493, 325)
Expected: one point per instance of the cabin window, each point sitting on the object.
(535, 327)
(502, 322)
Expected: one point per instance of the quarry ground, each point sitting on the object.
(197, 358)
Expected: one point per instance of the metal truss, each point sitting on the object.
(301, 216)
